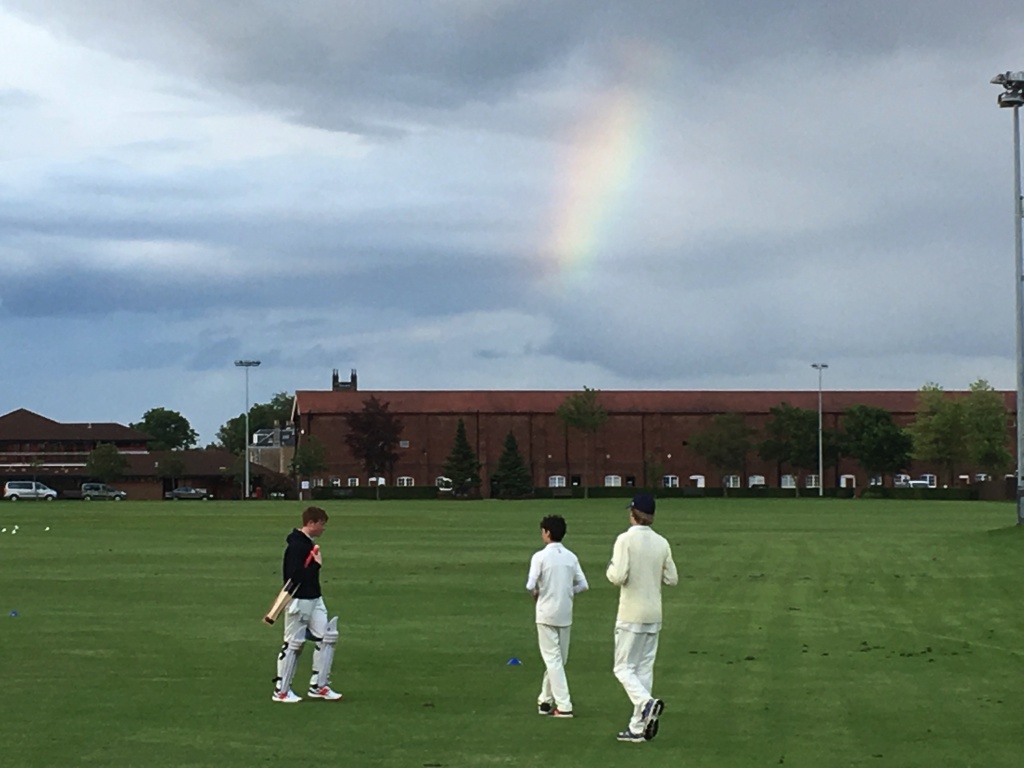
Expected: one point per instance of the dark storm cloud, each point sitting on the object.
(360, 66)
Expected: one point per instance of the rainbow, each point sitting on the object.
(601, 168)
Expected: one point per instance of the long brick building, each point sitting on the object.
(644, 442)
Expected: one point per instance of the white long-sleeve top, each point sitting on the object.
(556, 577)
(641, 563)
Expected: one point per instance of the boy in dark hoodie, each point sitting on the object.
(306, 615)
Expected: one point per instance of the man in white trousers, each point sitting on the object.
(555, 578)
(641, 563)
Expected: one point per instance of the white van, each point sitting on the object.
(28, 489)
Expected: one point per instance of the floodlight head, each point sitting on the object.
(1009, 79)
(1009, 99)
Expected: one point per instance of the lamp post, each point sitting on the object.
(821, 463)
(247, 364)
(1012, 97)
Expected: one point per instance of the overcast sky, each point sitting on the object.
(499, 194)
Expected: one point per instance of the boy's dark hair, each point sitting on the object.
(313, 515)
(555, 526)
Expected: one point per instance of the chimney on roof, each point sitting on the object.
(338, 385)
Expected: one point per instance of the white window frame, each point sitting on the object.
(613, 481)
(811, 481)
(405, 481)
(353, 482)
(403, 443)
(847, 481)
(932, 480)
(787, 481)
(374, 481)
(756, 481)
(670, 481)
(556, 481)
(699, 481)
(732, 481)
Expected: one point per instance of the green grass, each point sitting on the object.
(803, 633)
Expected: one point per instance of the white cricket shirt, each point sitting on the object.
(641, 563)
(556, 574)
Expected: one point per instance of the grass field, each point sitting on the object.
(803, 633)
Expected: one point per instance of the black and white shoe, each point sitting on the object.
(545, 708)
(651, 712)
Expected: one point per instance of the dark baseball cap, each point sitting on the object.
(643, 502)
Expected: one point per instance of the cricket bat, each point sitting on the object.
(287, 593)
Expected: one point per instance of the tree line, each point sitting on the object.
(948, 431)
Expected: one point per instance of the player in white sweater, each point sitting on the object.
(555, 578)
(641, 563)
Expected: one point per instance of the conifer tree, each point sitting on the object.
(462, 466)
(512, 476)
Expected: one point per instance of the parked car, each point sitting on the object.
(28, 489)
(98, 491)
(187, 492)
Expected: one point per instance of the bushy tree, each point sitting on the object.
(373, 436)
(583, 412)
(231, 436)
(875, 441)
(939, 430)
(987, 423)
(106, 463)
(791, 440)
(726, 443)
(512, 477)
(462, 465)
(170, 467)
(310, 457)
(169, 429)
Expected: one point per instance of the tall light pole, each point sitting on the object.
(1012, 97)
(247, 364)
(821, 454)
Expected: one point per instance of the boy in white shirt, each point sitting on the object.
(555, 579)
(641, 563)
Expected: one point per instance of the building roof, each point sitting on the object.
(621, 401)
(25, 425)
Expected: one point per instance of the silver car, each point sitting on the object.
(28, 489)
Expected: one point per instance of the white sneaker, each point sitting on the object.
(286, 697)
(324, 693)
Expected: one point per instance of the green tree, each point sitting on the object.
(169, 429)
(373, 436)
(512, 477)
(791, 440)
(726, 443)
(106, 463)
(654, 471)
(310, 458)
(462, 465)
(875, 441)
(939, 430)
(987, 423)
(582, 411)
(231, 435)
(170, 467)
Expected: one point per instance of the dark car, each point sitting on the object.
(187, 492)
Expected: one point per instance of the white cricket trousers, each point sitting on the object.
(304, 618)
(634, 667)
(554, 650)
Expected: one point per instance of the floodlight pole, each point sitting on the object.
(821, 455)
(247, 364)
(1013, 97)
